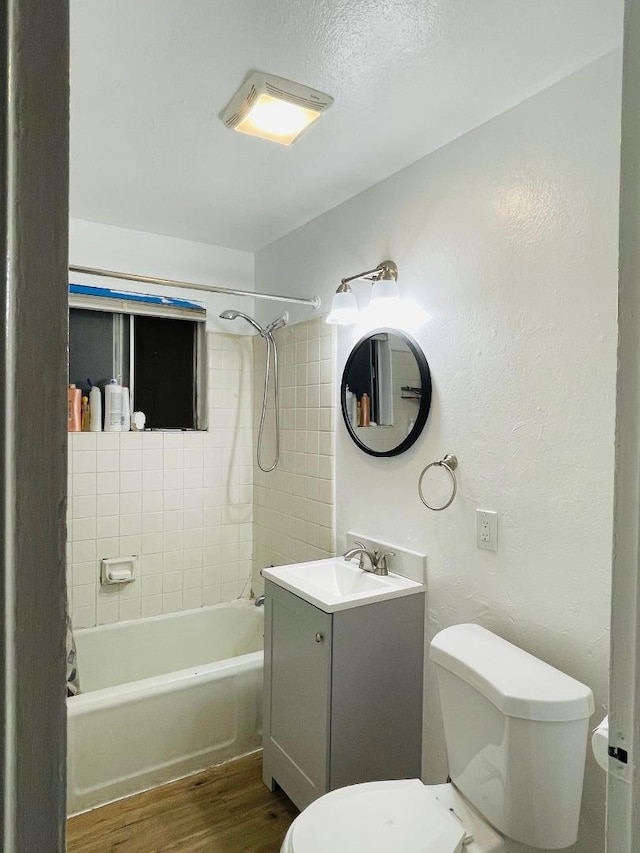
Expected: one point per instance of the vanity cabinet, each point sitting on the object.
(343, 693)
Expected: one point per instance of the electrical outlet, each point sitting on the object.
(487, 529)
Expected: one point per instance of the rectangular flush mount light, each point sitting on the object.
(274, 108)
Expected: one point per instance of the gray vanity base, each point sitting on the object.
(343, 693)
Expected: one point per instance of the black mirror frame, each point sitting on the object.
(425, 399)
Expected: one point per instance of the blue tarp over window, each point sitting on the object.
(147, 299)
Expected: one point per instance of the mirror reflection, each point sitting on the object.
(386, 392)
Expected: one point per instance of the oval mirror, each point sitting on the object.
(386, 392)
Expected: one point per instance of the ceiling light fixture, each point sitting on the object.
(344, 308)
(274, 108)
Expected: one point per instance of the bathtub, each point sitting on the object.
(163, 697)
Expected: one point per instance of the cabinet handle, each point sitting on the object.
(319, 637)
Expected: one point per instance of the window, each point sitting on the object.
(154, 346)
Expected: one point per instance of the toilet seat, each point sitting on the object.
(400, 816)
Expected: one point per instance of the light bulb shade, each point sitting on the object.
(344, 309)
(384, 290)
(277, 120)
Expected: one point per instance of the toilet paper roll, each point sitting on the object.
(600, 744)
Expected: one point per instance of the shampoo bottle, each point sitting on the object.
(74, 421)
(95, 409)
(113, 407)
(85, 414)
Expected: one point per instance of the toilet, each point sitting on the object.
(516, 732)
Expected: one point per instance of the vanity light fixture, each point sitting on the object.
(384, 277)
(274, 108)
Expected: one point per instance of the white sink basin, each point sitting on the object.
(337, 584)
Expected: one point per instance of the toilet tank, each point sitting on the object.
(516, 733)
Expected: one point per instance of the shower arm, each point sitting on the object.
(386, 269)
(312, 301)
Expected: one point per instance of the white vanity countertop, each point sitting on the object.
(337, 584)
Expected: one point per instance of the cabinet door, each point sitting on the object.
(299, 701)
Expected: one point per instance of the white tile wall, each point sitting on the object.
(182, 501)
(187, 503)
(294, 505)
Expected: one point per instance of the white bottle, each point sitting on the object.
(95, 409)
(113, 407)
(126, 410)
(138, 420)
(348, 403)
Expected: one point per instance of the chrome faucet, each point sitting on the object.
(363, 552)
(377, 561)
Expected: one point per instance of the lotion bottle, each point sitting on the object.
(95, 409)
(365, 404)
(113, 407)
(74, 421)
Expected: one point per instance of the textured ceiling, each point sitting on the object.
(149, 78)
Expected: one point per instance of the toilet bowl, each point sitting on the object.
(403, 816)
(516, 734)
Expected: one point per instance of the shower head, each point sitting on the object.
(233, 315)
(272, 356)
(278, 324)
(229, 314)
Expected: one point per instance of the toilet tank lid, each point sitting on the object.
(517, 683)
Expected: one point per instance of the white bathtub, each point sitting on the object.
(161, 698)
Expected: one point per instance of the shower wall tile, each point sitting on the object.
(194, 507)
(182, 502)
(294, 516)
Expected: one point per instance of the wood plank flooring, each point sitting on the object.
(226, 809)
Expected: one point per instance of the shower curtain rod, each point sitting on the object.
(313, 301)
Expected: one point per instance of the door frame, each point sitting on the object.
(34, 149)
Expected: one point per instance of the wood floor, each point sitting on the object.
(226, 809)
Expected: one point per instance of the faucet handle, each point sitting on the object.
(381, 562)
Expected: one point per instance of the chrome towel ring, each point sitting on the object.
(449, 463)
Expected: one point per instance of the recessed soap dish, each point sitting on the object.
(118, 570)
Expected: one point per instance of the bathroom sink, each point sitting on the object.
(337, 584)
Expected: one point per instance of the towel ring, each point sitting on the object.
(449, 463)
